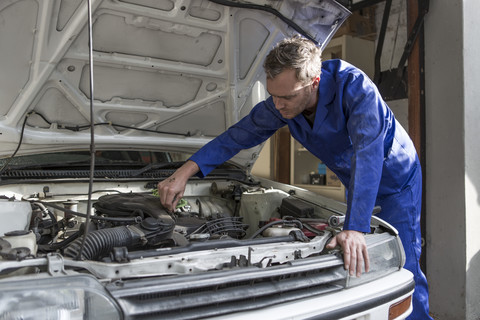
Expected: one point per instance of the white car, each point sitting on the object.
(83, 234)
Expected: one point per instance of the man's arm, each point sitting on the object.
(250, 131)
(368, 124)
(171, 189)
(253, 129)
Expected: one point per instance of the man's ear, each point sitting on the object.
(316, 82)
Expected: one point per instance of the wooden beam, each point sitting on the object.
(282, 155)
(416, 121)
(416, 107)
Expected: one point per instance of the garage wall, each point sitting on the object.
(471, 47)
(452, 68)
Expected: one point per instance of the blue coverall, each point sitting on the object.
(356, 135)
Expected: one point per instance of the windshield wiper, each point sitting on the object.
(156, 166)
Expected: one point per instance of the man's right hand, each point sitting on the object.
(172, 188)
(355, 253)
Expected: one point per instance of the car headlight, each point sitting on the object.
(386, 256)
(62, 297)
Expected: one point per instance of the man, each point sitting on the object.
(336, 112)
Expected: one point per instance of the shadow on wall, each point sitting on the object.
(473, 273)
(473, 270)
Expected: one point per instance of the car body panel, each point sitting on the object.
(166, 68)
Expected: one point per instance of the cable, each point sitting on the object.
(271, 10)
(45, 211)
(82, 215)
(18, 146)
(92, 132)
(60, 245)
(112, 124)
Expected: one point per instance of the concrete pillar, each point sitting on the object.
(452, 69)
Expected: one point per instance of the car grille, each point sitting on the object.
(219, 293)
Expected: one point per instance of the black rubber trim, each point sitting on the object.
(269, 9)
(370, 304)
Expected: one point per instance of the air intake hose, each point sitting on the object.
(100, 243)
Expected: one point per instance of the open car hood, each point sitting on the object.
(167, 75)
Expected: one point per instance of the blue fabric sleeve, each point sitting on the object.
(368, 120)
(252, 130)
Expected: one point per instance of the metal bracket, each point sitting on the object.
(55, 264)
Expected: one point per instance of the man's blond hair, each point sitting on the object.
(294, 53)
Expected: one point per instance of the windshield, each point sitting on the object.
(102, 157)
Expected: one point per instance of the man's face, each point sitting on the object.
(292, 97)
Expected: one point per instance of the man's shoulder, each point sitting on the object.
(338, 66)
(342, 73)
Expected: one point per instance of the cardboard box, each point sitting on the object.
(360, 24)
(332, 179)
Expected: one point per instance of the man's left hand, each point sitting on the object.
(354, 248)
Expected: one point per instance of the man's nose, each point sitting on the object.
(278, 103)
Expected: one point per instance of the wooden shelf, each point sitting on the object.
(302, 163)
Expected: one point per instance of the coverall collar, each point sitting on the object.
(326, 94)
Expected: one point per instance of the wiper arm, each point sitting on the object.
(156, 166)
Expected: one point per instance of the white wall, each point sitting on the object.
(452, 69)
(471, 49)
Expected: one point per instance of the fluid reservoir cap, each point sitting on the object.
(17, 233)
(151, 224)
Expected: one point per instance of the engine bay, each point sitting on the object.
(128, 221)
